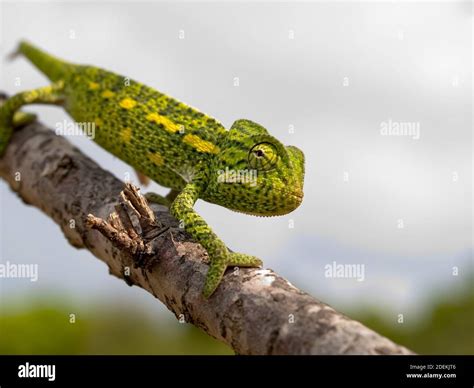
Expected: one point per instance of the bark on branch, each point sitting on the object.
(251, 308)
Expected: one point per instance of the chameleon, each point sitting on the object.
(175, 145)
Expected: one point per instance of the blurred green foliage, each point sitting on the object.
(42, 326)
(447, 328)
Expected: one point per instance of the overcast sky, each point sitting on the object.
(338, 74)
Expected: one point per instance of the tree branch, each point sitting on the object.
(255, 311)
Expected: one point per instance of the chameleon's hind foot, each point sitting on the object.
(10, 115)
(218, 267)
(21, 119)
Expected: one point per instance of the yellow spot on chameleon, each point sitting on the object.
(167, 123)
(126, 135)
(93, 85)
(108, 94)
(156, 158)
(200, 144)
(127, 103)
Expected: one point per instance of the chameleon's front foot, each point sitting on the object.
(218, 267)
(221, 258)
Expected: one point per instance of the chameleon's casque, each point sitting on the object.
(244, 169)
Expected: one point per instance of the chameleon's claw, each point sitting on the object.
(218, 267)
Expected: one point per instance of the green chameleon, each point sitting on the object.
(175, 145)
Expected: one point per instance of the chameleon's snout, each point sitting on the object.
(296, 180)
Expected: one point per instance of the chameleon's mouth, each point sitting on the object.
(293, 200)
(297, 194)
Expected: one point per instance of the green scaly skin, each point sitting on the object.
(175, 145)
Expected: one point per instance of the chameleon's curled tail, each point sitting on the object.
(52, 67)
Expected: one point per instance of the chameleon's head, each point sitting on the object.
(254, 173)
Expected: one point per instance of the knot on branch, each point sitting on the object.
(132, 227)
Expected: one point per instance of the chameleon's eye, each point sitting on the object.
(263, 156)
